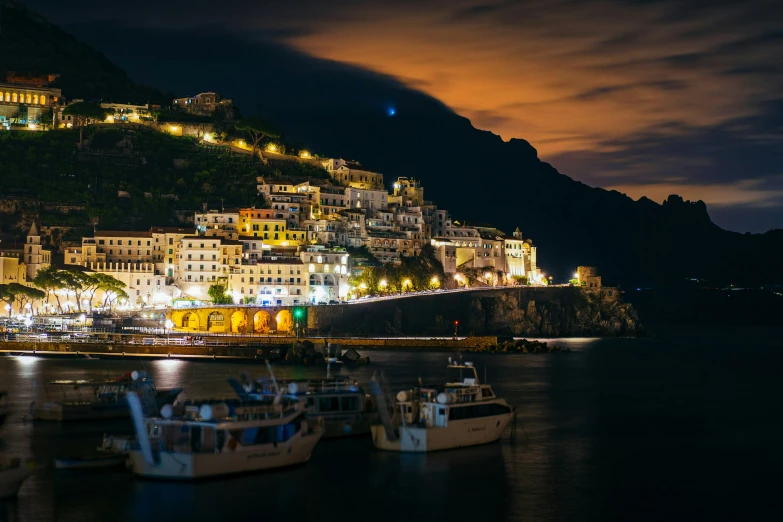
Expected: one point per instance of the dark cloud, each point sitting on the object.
(614, 92)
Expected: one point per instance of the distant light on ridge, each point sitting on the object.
(391, 111)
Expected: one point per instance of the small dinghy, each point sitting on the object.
(98, 461)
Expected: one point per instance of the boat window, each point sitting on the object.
(487, 392)
(349, 403)
(326, 404)
(441, 411)
(482, 410)
(250, 436)
(195, 439)
(310, 401)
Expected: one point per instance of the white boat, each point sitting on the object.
(81, 400)
(12, 474)
(461, 412)
(339, 402)
(199, 440)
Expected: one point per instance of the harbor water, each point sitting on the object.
(685, 426)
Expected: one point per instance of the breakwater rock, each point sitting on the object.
(517, 311)
(520, 346)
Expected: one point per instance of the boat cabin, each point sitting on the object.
(462, 397)
(235, 425)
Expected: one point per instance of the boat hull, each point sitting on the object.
(85, 411)
(458, 434)
(194, 466)
(103, 461)
(11, 480)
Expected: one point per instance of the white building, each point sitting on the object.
(328, 271)
(371, 199)
(272, 281)
(218, 223)
(352, 174)
(205, 260)
(35, 257)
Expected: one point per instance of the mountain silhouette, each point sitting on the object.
(338, 110)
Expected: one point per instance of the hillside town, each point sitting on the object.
(309, 243)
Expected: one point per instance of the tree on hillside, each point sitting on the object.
(257, 129)
(218, 294)
(82, 112)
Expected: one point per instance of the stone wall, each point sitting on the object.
(518, 311)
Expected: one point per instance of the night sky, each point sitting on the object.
(646, 97)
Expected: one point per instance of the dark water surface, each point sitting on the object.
(683, 427)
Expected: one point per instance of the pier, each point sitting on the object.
(219, 346)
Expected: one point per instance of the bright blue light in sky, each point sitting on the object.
(391, 111)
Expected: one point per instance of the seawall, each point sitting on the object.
(517, 311)
(233, 347)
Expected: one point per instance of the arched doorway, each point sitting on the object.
(216, 322)
(190, 321)
(239, 322)
(261, 322)
(285, 322)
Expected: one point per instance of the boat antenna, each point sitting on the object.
(274, 381)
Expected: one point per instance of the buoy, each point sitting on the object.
(402, 396)
(166, 411)
(293, 388)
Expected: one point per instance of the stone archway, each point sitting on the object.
(216, 322)
(285, 322)
(190, 321)
(239, 322)
(262, 322)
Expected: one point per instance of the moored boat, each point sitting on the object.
(207, 439)
(97, 461)
(461, 412)
(339, 402)
(96, 399)
(12, 475)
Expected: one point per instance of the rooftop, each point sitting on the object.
(123, 233)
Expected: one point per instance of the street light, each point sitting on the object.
(298, 315)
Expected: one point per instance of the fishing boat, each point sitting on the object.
(4, 411)
(96, 399)
(195, 440)
(461, 412)
(339, 402)
(12, 474)
(96, 461)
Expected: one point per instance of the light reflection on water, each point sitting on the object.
(616, 430)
